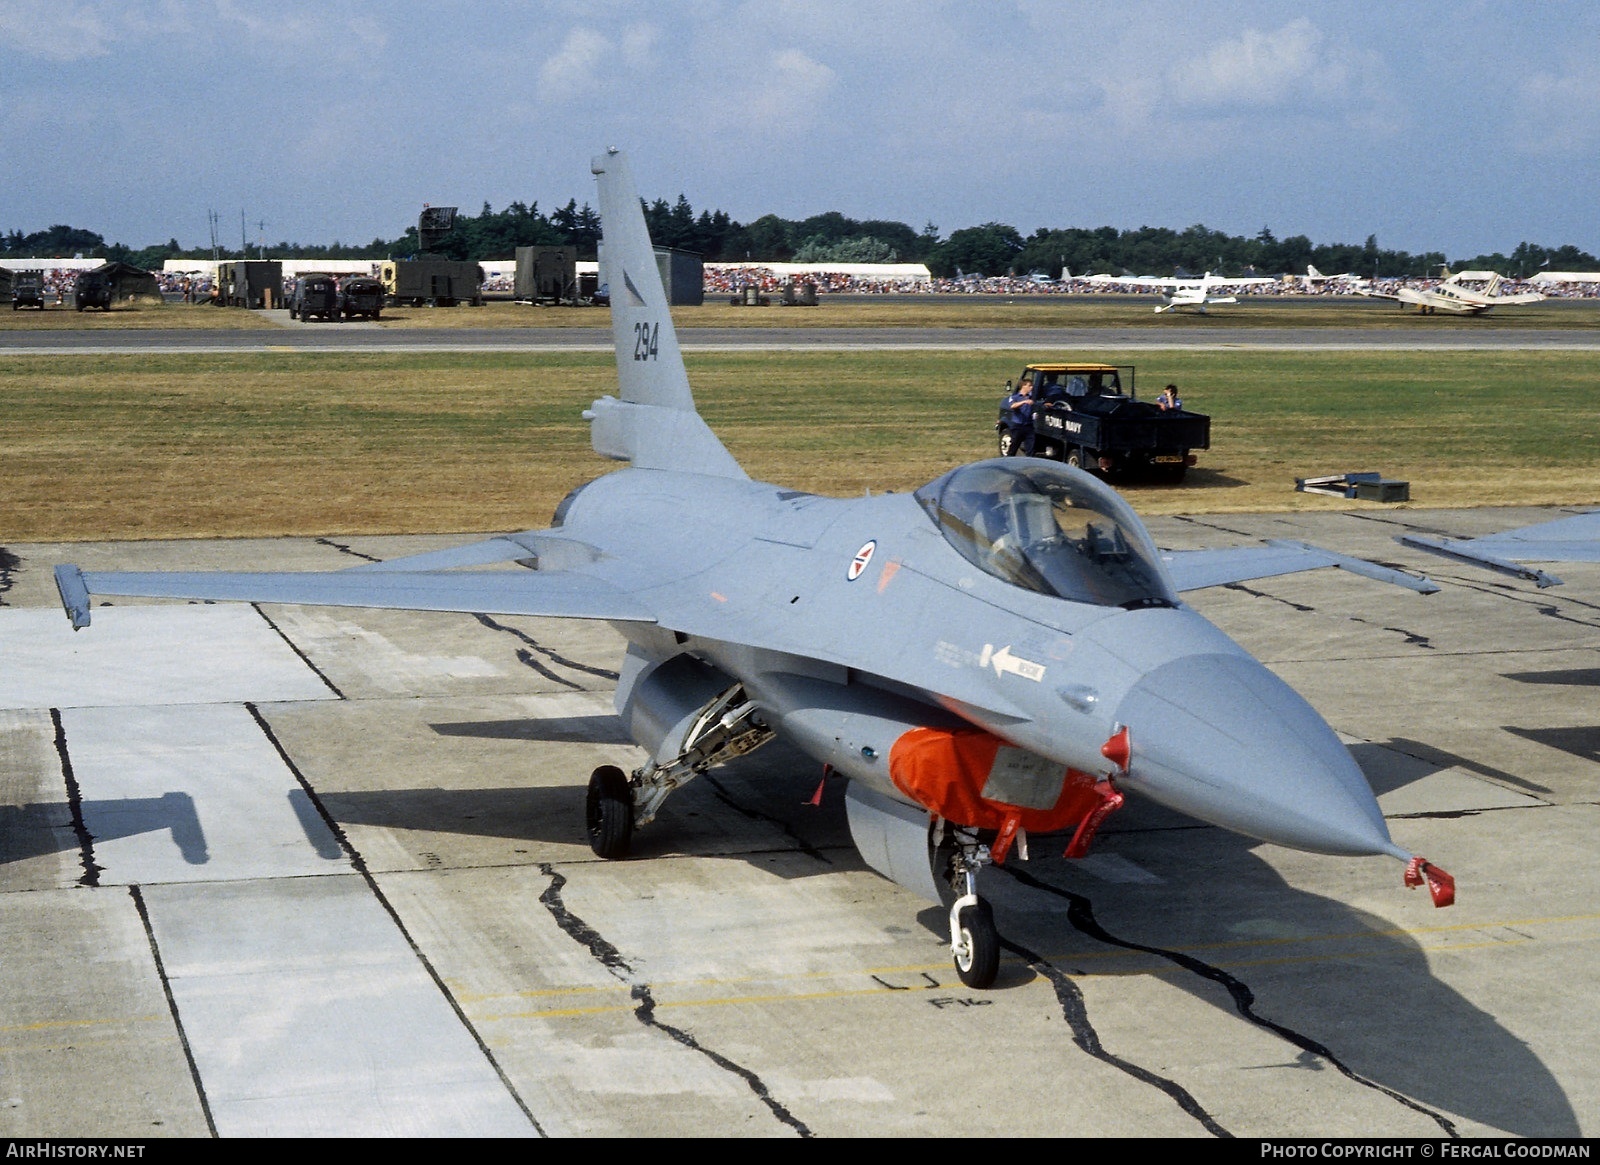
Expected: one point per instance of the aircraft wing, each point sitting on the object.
(1194, 569)
(1139, 280)
(1574, 539)
(558, 593)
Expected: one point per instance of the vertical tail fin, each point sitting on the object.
(654, 424)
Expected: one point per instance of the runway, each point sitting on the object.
(284, 871)
(368, 338)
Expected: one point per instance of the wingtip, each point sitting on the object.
(74, 592)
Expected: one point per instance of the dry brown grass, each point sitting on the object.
(1016, 312)
(123, 317)
(869, 311)
(155, 446)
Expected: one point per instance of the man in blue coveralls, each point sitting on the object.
(1019, 418)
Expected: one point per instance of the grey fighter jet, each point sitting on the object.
(1001, 653)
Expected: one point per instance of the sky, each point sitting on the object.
(1462, 127)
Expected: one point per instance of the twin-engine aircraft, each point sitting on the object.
(1002, 653)
(1187, 291)
(1464, 293)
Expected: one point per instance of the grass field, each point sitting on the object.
(873, 311)
(155, 446)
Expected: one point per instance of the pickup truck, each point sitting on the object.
(1089, 415)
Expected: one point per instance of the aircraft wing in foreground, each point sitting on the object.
(1572, 539)
(1001, 653)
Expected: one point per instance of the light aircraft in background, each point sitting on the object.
(1464, 293)
(1002, 653)
(1312, 277)
(1187, 291)
(1571, 539)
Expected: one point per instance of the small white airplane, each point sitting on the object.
(1187, 291)
(1312, 277)
(1458, 293)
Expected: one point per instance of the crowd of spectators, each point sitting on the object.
(732, 280)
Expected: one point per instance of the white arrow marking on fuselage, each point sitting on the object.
(1003, 661)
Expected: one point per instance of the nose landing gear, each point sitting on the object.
(974, 941)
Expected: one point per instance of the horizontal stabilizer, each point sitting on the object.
(499, 592)
(550, 552)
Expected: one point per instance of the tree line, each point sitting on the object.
(990, 249)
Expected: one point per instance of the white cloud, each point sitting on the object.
(1255, 69)
(61, 31)
(638, 44)
(1557, 114)
(574, 70)
(792, 88)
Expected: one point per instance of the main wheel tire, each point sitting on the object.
(1078, 459)
(980, 962)
(1008, 443)
(608, 812)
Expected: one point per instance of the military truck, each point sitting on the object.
(432, 282)
(92, 289)
(1089, 415)
(316, 296)
(360, 295)
(27, 289)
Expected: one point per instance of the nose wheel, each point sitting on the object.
(974, 941)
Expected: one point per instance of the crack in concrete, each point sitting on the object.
(342, 548)
(1080, 912)
(1076, 1012)
(1293, 606)
(788, 830)
(609, 957)
(91, 871)
(549, 653)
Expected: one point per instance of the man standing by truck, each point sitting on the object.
(1019, 418)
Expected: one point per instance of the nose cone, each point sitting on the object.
(1221, 738)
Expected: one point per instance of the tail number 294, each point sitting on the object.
(645, 338)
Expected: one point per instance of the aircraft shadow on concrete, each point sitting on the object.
(1398, 762)
(36, 830)
(745, 804)
(1578, 677)
(578, 729)
(28, 831)
(1329, 980)
(1344, 990)
(1582, 741)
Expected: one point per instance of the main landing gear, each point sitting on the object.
(974, 941)
(726, 727)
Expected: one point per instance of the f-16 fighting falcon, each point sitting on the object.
(1001, 653)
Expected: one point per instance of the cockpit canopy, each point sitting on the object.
(1050, 529)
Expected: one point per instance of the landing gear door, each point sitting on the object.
(892, 838)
